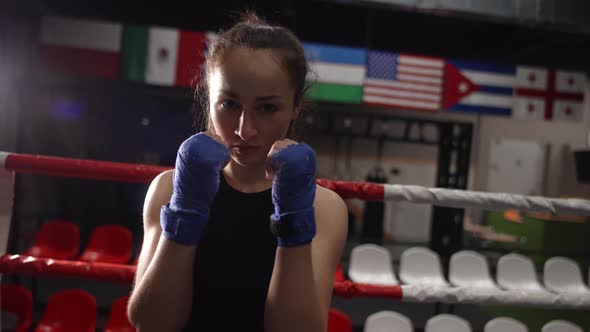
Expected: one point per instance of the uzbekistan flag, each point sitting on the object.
(340, 72)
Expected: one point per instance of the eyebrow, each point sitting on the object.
(261, 98)
(265, 98)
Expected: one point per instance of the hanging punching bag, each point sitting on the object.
(373, 215)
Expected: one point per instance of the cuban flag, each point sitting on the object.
(548, 94)
(479, 88)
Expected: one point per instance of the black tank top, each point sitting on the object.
(233, 263)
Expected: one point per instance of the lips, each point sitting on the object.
(246, 148)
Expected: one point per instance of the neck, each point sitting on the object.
(246, 179)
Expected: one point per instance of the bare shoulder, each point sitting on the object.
(331, 212)
(158, 194)
(331, 216)
(326, 198)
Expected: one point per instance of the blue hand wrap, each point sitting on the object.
(293, 193)
(195, 182)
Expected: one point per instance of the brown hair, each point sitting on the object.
(254, 33)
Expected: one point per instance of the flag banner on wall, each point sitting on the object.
(340, 72)
(81, 46)
(549, 94)
(171, 57)
(162, 56)
(404, 81)
(479, 88)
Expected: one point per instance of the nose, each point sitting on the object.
(247, 126)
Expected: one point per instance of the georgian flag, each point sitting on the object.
(549, 94)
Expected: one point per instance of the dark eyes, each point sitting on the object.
(270, 108)
(228, 105)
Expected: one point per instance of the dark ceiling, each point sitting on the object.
(334, 22)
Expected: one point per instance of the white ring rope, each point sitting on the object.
(469, 295)
(482, 200)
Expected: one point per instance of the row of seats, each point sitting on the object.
(372, 264)
(390, 321)
(74, 310)
(60, 239)
(71, 310)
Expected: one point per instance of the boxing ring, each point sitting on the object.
(11, 263)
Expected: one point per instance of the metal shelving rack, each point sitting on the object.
(453, 139)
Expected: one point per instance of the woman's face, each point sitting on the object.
(251, 103)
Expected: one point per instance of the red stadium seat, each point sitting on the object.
(109, 244)
(338, 321)
(118, 321)
(17, 300)
(57, 239)
(71, 310)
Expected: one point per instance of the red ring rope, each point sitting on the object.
(79, 168)
(28, 265)
(124, 172)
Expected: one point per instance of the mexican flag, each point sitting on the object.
(340, 72)
(162, 56)
(80, 46)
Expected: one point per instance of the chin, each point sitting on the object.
(247, 161)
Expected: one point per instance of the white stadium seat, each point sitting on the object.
(563, 275)
(561, 326)
(421, 266)
(517, 272)
(371, 264)
(470, 269)
(447, 323)
(388, 321)
(505, 324)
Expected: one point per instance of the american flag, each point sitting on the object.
(404, 81)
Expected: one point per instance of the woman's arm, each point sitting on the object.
(162, 294)
(300, 290)
(176, 207)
